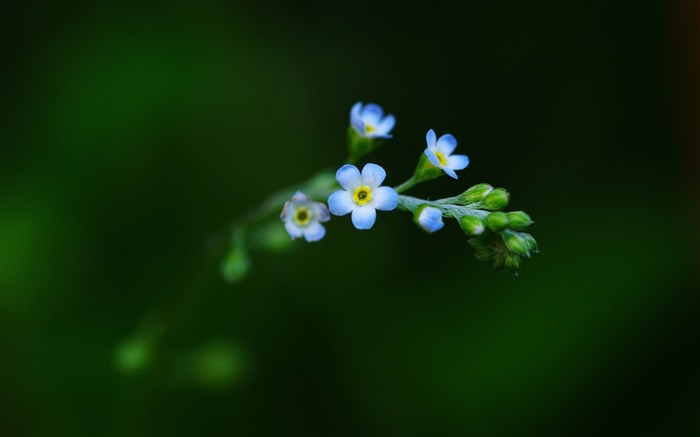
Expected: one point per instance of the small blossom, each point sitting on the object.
(370, 122)
(440, 153)
(362, 194)
(429, 218)
(303, 217)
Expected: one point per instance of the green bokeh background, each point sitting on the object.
(130, 132)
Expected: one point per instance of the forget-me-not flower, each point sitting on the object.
(439, 153)
(303, 217)
(362, 194)
(370, 122)
(429, 219)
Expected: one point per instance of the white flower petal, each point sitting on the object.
(446, 144)
(385, 199)
(430, 138)
(457, 162)
(373, 175)
(348, 176)
(372, 113)
(340, 202)
(451, 173)
(321, 212)
(314, 232)
(363, 217)
(432, 157)
(293, 230)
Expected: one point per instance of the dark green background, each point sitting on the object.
(131, 132)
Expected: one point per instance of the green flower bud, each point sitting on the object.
(497, 221)
(133, 356)
(519, 220)
(496, 199)
(471, 225)
(476, 193)
(235, 265)
(517, 243)
(531, 242)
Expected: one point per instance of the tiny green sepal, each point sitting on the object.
(425, 170)
(471, 225)
(497, 221)
(235, 265)
(519, 220)
(496, 200)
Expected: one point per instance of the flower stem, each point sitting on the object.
(406, 185)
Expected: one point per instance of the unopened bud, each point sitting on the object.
(497, 221)
(517, 243)
(519, 220)
(476, 193)
(471, 225)
(428, 218)
(496, 199)
(235, 265)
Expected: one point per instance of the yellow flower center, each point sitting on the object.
(369, 128)
(362, 195)
(302, 216)
(441, 158)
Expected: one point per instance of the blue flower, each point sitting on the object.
(369, 121)
(439, 154)
(429, 218)
(303, 217)
(362, 194)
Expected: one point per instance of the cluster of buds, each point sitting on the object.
(494, 234)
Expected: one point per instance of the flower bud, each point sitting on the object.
(471, 225)
(235, 265)
(428, 218)
(496, 199)
(517, 243)
(497, 221)
(476, 193)
(519, 220)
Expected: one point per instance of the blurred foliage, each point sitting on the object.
(130, 132)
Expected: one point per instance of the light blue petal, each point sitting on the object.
(314, 232)
(451, 173)
(386, 125)
(340, 202)
(348, 176)
(446, 144)
(385, 199)
(430, 219)
(358, 125)
(321, 212)
(293, 230)
(372, 113)
(355, 110)
(457, 162)
(430, 138)
(363, 217)
(432, 157)
(373, 175)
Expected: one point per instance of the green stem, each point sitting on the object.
(406, 185)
